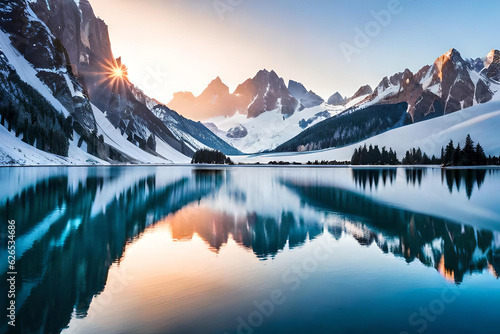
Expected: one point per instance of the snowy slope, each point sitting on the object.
(194, 134)
(356, 101)
(270, 129)
(113, 137)
(13, 151)
(166, 150)
(482, 122)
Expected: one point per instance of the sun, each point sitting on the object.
(114, 74)
(117, 73)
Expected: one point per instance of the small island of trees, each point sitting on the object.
(207, 156)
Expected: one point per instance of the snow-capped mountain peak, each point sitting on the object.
(492, 65)
(306, 98)
(336, 99)
(266, 91)
(452, 56)
(448, 85)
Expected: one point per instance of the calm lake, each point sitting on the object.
(252, 250)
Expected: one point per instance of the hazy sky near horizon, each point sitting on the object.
(181, 45)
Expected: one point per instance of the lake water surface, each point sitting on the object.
(252, 250)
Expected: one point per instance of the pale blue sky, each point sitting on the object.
(181, 45)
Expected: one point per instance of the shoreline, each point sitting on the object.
(259, 166)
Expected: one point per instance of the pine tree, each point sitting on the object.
(363, 156)
(426, 160)
(417, 159)
(376, 156)
(370, 155)
(457, 156)
(393, 157)
(385, 156)
(480, 156)
(448, 155)
(468, 153)
(355, 157)
(407, 160)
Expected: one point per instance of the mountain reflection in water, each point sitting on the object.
(73, 225)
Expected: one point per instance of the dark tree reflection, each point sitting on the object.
(468, 178)
(371, 178)
(66, 243)
(414, 176)
(453, 249)
(70, 233)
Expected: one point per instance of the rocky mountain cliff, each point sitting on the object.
(57, 55)
(266, 92)
(37, 72)
(362, 91)
(86, 40)
(336, 99)
(307, 99)
(448, 85)
(194, 133)
(492, 65)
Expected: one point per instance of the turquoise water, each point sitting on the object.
(253, 250)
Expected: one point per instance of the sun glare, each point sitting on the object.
(117, 73)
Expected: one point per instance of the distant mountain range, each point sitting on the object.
(266, 91)
(262, 112)
(449, 85)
